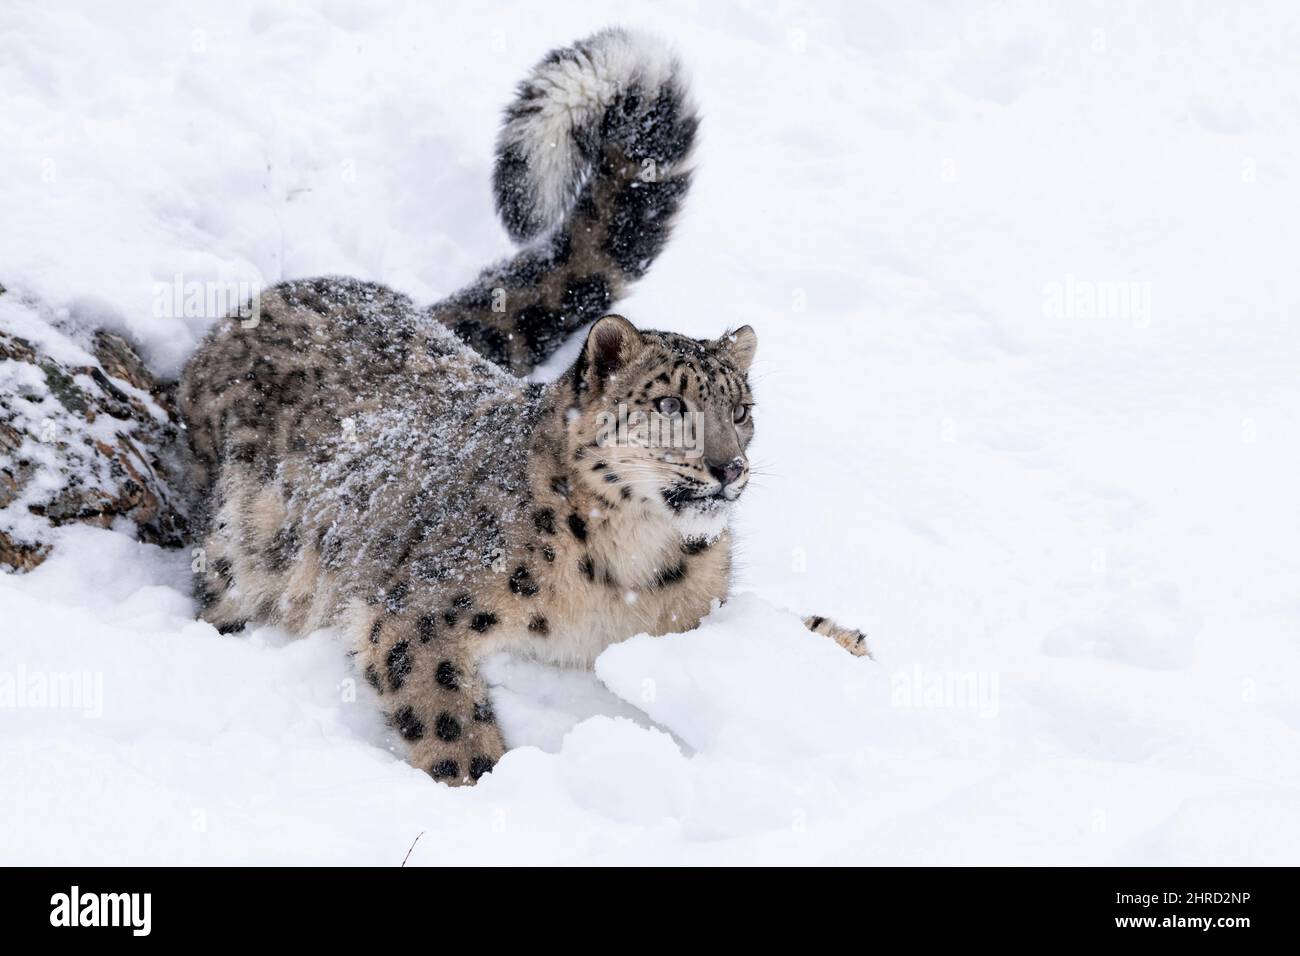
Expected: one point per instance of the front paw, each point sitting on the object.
(853, 641)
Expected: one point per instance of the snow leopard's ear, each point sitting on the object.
(742, 344)
(611, 343)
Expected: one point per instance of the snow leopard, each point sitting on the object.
(387, 469)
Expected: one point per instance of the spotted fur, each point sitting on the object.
(367, 466)
(852, 640)
(592, 165)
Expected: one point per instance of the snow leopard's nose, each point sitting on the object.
(730, 471)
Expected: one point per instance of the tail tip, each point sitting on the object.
(617, 86)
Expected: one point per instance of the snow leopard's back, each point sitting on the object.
(338, 428)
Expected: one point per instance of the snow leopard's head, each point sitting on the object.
(664, 420)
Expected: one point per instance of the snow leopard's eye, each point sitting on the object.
(668, 405)
(740, 414)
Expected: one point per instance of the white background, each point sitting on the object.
(1090, 518)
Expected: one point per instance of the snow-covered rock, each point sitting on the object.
(87, 434)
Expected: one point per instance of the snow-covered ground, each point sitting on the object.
(1025, 285)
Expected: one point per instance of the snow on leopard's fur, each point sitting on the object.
(381, 467)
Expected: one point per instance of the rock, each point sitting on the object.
(91, 441)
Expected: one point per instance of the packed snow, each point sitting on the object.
(1025, 289)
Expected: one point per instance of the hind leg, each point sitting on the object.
(240, 568)
(432, 694)
(214, 577)
(215, 589)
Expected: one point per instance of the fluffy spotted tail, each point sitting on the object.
(591, 167)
